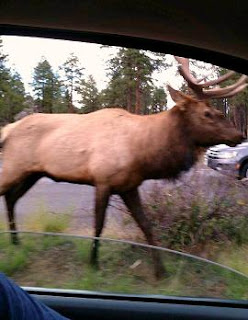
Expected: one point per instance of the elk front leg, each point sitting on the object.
(101, 202)
(133, 203)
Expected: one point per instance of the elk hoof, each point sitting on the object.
(15, 240)
(94, 264)
(94, 261)
(160, 272)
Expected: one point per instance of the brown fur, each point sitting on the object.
(111, 149)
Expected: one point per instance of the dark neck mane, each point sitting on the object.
(177, 153)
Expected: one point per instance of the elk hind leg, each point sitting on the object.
(11, 197)
(133, 203)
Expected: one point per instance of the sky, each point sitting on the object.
(24, 53)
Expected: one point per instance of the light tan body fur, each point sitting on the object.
(111, 149)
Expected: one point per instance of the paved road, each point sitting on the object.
(76, 200)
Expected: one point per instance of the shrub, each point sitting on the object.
(199, 208)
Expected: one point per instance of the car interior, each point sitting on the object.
(213, 32)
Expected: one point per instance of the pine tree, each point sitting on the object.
(130, 73)
(235, 108)
(47, 88)
(90, 95)
(159, 100)
(72, 77)
(12, 92)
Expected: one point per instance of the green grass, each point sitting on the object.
(45, 221)
(59, 262)
(3, 224)
(236, 258)
(14, 258)
(185, 276)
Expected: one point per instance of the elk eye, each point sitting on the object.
(207, 114)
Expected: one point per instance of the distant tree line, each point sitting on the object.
(69, 90)
(236, 108)
(12, 92)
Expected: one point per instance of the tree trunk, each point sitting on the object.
(240, 118)
(129, 99)
(43, 97)
(70, 100)
(71, 108)
(138, 95)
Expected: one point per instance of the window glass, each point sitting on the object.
(188, 163)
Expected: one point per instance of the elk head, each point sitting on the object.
(206, 126)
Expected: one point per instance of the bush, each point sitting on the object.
(198, 209)
(46, 221)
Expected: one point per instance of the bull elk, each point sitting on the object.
(115, 151)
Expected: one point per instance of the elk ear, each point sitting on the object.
(175, 94)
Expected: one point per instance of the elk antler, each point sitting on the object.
(217, 92)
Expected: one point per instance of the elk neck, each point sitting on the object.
(171, 149)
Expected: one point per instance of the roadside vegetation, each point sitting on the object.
(203, 216)
(200, 210)
(58, 262)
